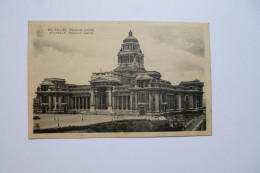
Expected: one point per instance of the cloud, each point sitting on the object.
(174, 63)
(176, 52)
(186, 66)
(186, 38)
(194, 43)
(40, 46)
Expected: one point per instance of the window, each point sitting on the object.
(63, 99)
(45, 99)
(143, 98)
(164, 98)
(45, 88)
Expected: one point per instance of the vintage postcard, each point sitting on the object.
(118, 79)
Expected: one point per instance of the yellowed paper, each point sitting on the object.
(118, 79)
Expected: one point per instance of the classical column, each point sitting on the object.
(131, 101)
(126, 104)
(117, 102)
(136, 102)
(60, 100)
(191, 101)
(156, 102)
(122, 102)
(109, 108)
(179, 101)
(172, 102)
(55, 103)
(200, 101)
(195, 101)
(83, 102)
(39, 102)
(114, 102)
(86, 103)
(160, 101)
(100, 101)
(71, 102)
(49, 103)
(175, 101)
(92, 104)
(96, 101)
(77, 98)
(169, 101)
(80, 102)
(76, 102)
(150, 102)
(89, 102)
(85, 99)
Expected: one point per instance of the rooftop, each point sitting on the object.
(130, 38)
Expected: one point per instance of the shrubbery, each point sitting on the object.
(36, 118)
(117, 126)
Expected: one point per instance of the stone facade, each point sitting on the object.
(128, 89)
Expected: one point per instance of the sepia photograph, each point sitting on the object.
(132, 87)
(118, 79)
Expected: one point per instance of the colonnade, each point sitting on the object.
(80, 102)
(122, 102)
(173, 102)
(53, 101)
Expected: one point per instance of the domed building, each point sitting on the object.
(130, 59)
(128, 89)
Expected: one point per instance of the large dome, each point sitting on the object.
(130, 38)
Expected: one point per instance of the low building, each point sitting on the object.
(129, 88)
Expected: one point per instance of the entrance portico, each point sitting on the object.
(102, 85)
(103, 97)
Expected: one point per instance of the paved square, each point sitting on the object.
(47, 121)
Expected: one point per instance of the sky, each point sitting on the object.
(179, 51)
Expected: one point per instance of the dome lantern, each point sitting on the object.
(130, 33)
